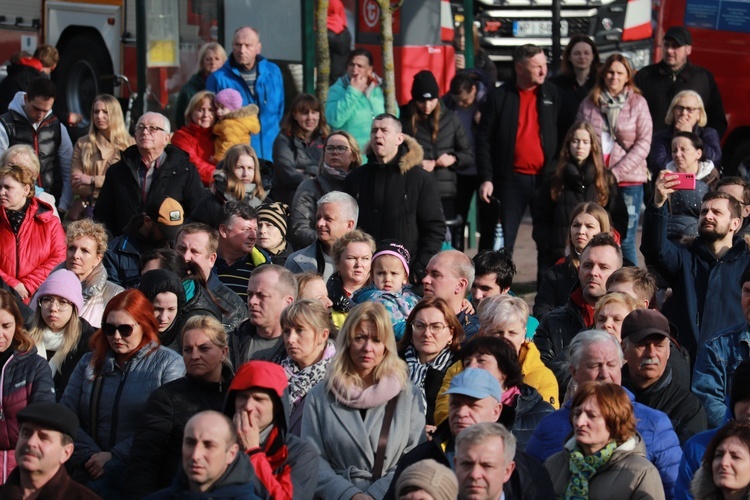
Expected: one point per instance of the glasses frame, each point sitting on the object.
(422, 327)
(151, 129)
(62, 304)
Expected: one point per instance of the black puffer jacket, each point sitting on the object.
(525, 414)
(401, 202)
(451, 139)
(120, 197)
(305, 207)
(157, 445)
(294, 161)
(552, 218)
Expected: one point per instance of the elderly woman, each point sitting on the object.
(196, 137)
(352, 257)
(367, 387)
(32, 240)
(26, 378)
(157, 445)
(606, 457)
(341, 155)
(306, 326)
(621, 119)
(298, 149)
(610, 311)
(211, 57)
(686, 113)
(587, 220)
(95, 152)
(431, 342)
(60, 335)
(725, 469)
(109, 388)
(272, 224)
(523, 407)
(87, 243)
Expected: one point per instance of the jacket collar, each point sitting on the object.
(410, 154)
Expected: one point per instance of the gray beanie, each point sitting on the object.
(430, 476)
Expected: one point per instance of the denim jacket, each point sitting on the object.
(714, 368)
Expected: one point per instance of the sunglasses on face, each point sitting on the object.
(125, 330)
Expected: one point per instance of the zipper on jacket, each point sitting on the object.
(115, 408)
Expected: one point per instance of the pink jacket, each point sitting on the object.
(634, 128)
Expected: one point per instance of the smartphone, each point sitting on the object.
(687, 181)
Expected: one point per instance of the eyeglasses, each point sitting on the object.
(140, 129)
(336, 149)
(687, 109)
(62, 304)
(125, 330)
(421, 327)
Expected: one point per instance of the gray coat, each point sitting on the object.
(123, 395)
(306, 260)
(305, 207)
(346, 443)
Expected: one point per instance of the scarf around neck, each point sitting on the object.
(418, 370)
(582, 469)
(611, 107)
(302, 380)
(376, 395)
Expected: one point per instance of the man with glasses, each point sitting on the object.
(151, 169)
(660, 82)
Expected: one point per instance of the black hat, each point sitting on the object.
(52, 415)
(740, 388)
(641, 323)
(680, 35)
(424, 87)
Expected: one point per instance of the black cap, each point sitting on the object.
(425, 86)
(680, 35)
(641, 323)
(50, 415)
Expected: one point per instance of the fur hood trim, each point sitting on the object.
(411, 153)
(249, 110)
(702, 486)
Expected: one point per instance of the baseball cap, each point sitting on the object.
(168, 215)
(641, 323)
(680, 35)
(476, 383)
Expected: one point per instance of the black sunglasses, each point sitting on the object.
(125, 330)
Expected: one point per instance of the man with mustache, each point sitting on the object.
(45, 443)
(702, 273)
(645, 343)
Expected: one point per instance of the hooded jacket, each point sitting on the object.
(268, 96)
(235, 128)
(626, 475)
(402, 203)
(198, 143)
(30, 256)
(286, 466)
(703, 487)
(51, 143)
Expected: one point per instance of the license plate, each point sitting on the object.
(537, 28)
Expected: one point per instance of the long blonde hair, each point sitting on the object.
(342, 374)
(118, 134)
(71, 334)
(235, 187)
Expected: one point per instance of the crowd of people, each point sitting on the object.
(277, 304)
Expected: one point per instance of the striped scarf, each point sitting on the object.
(418, 370)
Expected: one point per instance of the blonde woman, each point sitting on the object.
(24, 155)
(344, 413)
(95, 152)
(211, 57)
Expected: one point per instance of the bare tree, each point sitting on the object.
(323, 54)
(386, 32)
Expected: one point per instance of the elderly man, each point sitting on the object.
(474, 397)
(449, 275)
(198, 243)
(596, 355)
(45, 443)
(237, 254)
(259, 82)
(212, 464)
(484, 461)
(270, 289)
(152, 168)
(30, 120)
(601, 257)
(401, 197)
(646, 340)
(661, 81)
(719, 357)
(702, 273)
(337, 215)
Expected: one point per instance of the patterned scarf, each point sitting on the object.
(582, 468)
(611, 107)
(15, 217)
(302, 380)
(418, 370)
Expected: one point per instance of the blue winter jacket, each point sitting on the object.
(269, 97)
(714, 369)
(706, 290)
(662, 444)
(692, 454)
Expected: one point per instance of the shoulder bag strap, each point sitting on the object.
(96, 393)
(390, 409)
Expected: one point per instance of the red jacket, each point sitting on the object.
(198, 143)
(31, 255)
